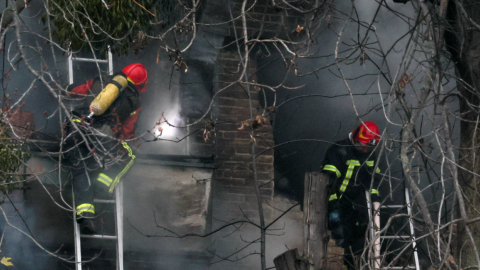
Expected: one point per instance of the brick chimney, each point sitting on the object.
(233, 186)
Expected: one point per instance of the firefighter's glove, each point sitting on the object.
(334, 217)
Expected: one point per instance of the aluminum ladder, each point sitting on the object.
(118, 237)
(376, 238)
(108, 61)
(117, 201)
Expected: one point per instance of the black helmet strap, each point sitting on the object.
(355, 133)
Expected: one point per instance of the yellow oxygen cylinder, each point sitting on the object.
(108, 95)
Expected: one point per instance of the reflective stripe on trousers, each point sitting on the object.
(85, 207)
(106, 180)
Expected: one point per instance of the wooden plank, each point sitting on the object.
(315, 208)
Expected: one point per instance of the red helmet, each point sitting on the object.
(367, 134)
(138, 74)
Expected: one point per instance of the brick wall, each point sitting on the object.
(201, 142)
(264, 16)
(335, 256)
(234, 187)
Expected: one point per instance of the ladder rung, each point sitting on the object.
(393, 206)
(396, 237)
(399, 267)
(92, 60)
(103, 201)
(99, 236)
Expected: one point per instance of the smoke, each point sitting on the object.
(168, 130)
(26, 211)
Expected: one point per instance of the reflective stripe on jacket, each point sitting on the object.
(352, 171)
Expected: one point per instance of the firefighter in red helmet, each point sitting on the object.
(138, 74)
(350, 163)
(99, 155)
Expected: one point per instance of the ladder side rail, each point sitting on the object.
(376, 223)
(370, 220)
(374, 235)
(70, 68)
(78, 246)
(369, 207)
(412, 230)
(110, 61)
(119, 223)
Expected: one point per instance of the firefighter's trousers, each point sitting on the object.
(98, 162)
(347, 226)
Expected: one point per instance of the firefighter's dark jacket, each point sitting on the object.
(126, 103)
(350, 172)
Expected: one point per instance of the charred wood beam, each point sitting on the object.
(315, 233)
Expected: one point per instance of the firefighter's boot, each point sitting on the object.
(87, 226)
